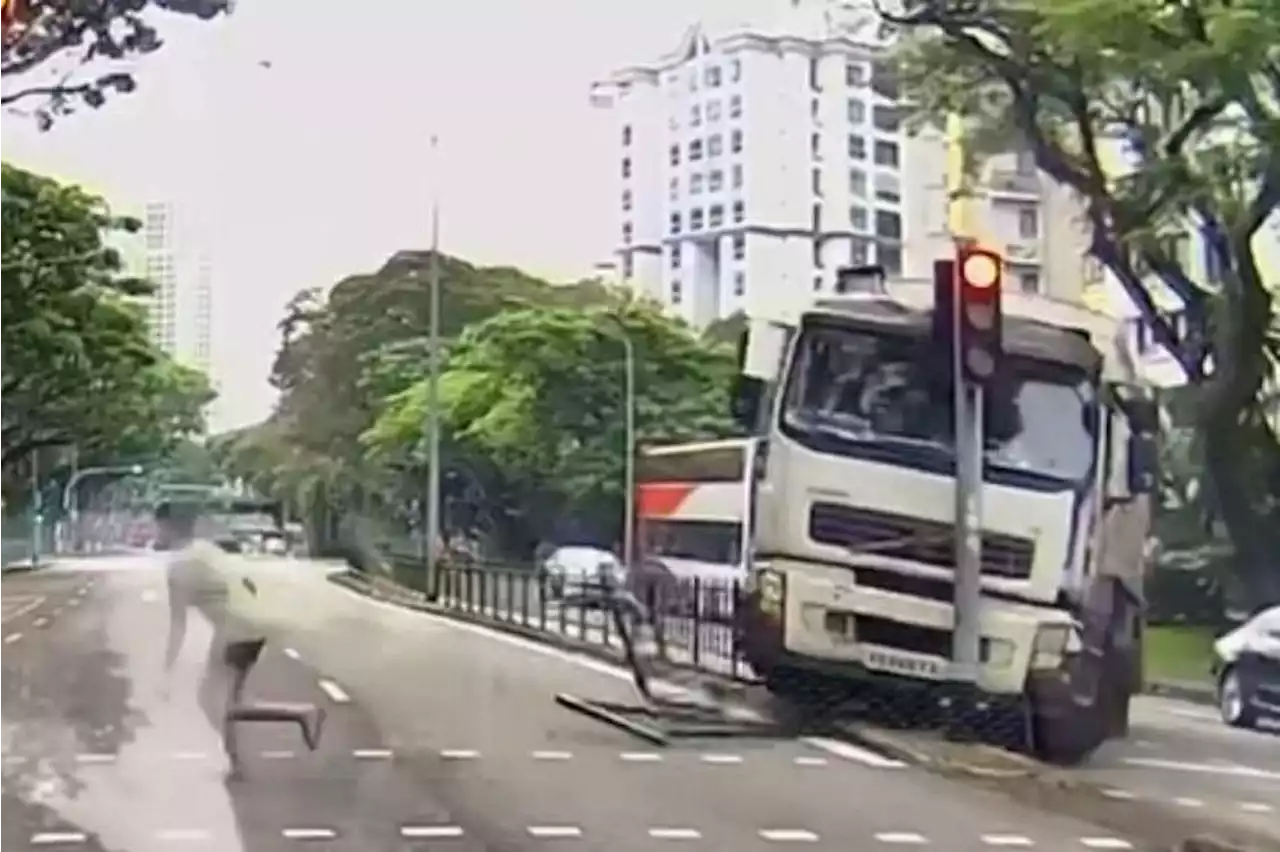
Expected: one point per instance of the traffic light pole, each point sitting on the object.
(966, 637)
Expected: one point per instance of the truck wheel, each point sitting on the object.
(1233, 700)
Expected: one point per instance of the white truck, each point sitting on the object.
(851, 574)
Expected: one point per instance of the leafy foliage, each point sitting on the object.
(50, 38)
(78, 367)
(1164, 118)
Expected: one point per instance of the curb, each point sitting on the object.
(1190, 693)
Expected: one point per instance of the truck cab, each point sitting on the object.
(852, 572)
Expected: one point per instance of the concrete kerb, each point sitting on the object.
(987, 766)
(1189, 692)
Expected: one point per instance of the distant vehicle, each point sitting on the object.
(1247, 670)
(692, 503)
(578, 570)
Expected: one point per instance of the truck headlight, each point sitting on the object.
(771, 586)
(1050, 646)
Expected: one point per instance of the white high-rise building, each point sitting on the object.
(754, 163)
(181, 310)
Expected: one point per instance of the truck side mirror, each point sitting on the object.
(1144, 463)
(744, 404)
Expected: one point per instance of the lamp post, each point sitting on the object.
(70, 502)
(432, 531)
(629, 474)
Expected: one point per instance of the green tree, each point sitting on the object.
(52, 41)
(538, 392)
(78, 368)
(1190, 93)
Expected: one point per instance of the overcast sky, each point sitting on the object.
(318, 166)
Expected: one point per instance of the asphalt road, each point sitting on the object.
(441, 736)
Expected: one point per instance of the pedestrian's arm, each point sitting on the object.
(177, 625)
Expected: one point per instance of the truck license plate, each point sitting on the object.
(905, 664)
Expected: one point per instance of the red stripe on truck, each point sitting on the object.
(661, 499)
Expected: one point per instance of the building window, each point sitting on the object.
(695, 219)
(857, 147)
(673, 189)
(675, 224)
(693, 81)
(814, 108)
(735, 142)
(817, 218)
(735, 106)
(815, 146)
(715, 216)
(715, 181)
(887, 118)
(695, 150)
(695, 184)
(739, 283)
(675, 256)
(626, 233)
(695, 116)
(739, 211)
(886, 154)
(817, 253)
(739, 247)
(815, 80)
(885, 81)
(857, 111)
(890, 259)
(713, 111)
(888, 188)
(858, 183)
(626, 199)
(816, 179)
(736, 176)
(677, 293)
(1028, 223)
(1029, 282)
(735, 70)
(626, 167)
(675, 155)
(715, 145)
(859, 252)
(817, 283)
(626, 134)
(855, 74)
(888, 225)
(858, 217)
(713, 76)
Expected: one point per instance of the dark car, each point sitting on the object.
(1247, 670)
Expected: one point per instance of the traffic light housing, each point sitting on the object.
(978, 279)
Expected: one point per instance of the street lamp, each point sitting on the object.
(71, 506)
(629, 403)
(432, 531)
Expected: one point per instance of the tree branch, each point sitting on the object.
(58, 91)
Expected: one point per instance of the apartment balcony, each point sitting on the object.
(1022, 253)
(1013, 185)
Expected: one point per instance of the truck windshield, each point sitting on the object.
(852, 388)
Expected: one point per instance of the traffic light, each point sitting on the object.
(978, 278)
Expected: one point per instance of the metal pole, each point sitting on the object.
(37, 519)
(71, 508)
(967, 635)
(629, 522)
(433, 384)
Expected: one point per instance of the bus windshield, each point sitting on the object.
(849, 388)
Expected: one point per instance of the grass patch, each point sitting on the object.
(1178, 653)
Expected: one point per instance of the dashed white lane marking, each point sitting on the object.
(291, 654)
(57, 611)
(309, 833)
(641, 757)
(277, 754)
(674, 833)
(27, 607)
(73, 603)
(1007, 840)
(720, 759)
(1105, 843)
(849, 751)
(105, 757)
(552, 755)
(183, 835)
(1209, 768)
(336, 693)
(554, 832)
(459, 754)
(372, 754)
(788, 835)
(52, 838)
(430, 832)
(1187, 802)
(11, 638)
(902, 838)
(1119, 794)
(41, 621)
(1256, 807)
(806, 760)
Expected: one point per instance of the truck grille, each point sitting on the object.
(914, 539)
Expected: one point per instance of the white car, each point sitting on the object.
(1247, 670)
(577, 570)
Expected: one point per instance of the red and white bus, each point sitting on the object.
(694, 506)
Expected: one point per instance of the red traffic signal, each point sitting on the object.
(979, 276)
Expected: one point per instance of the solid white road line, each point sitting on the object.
(1208, 768)
(788, 835)
(27, 607)
(336, 693)
(856, 753)
(902, 838)
(430, 832)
